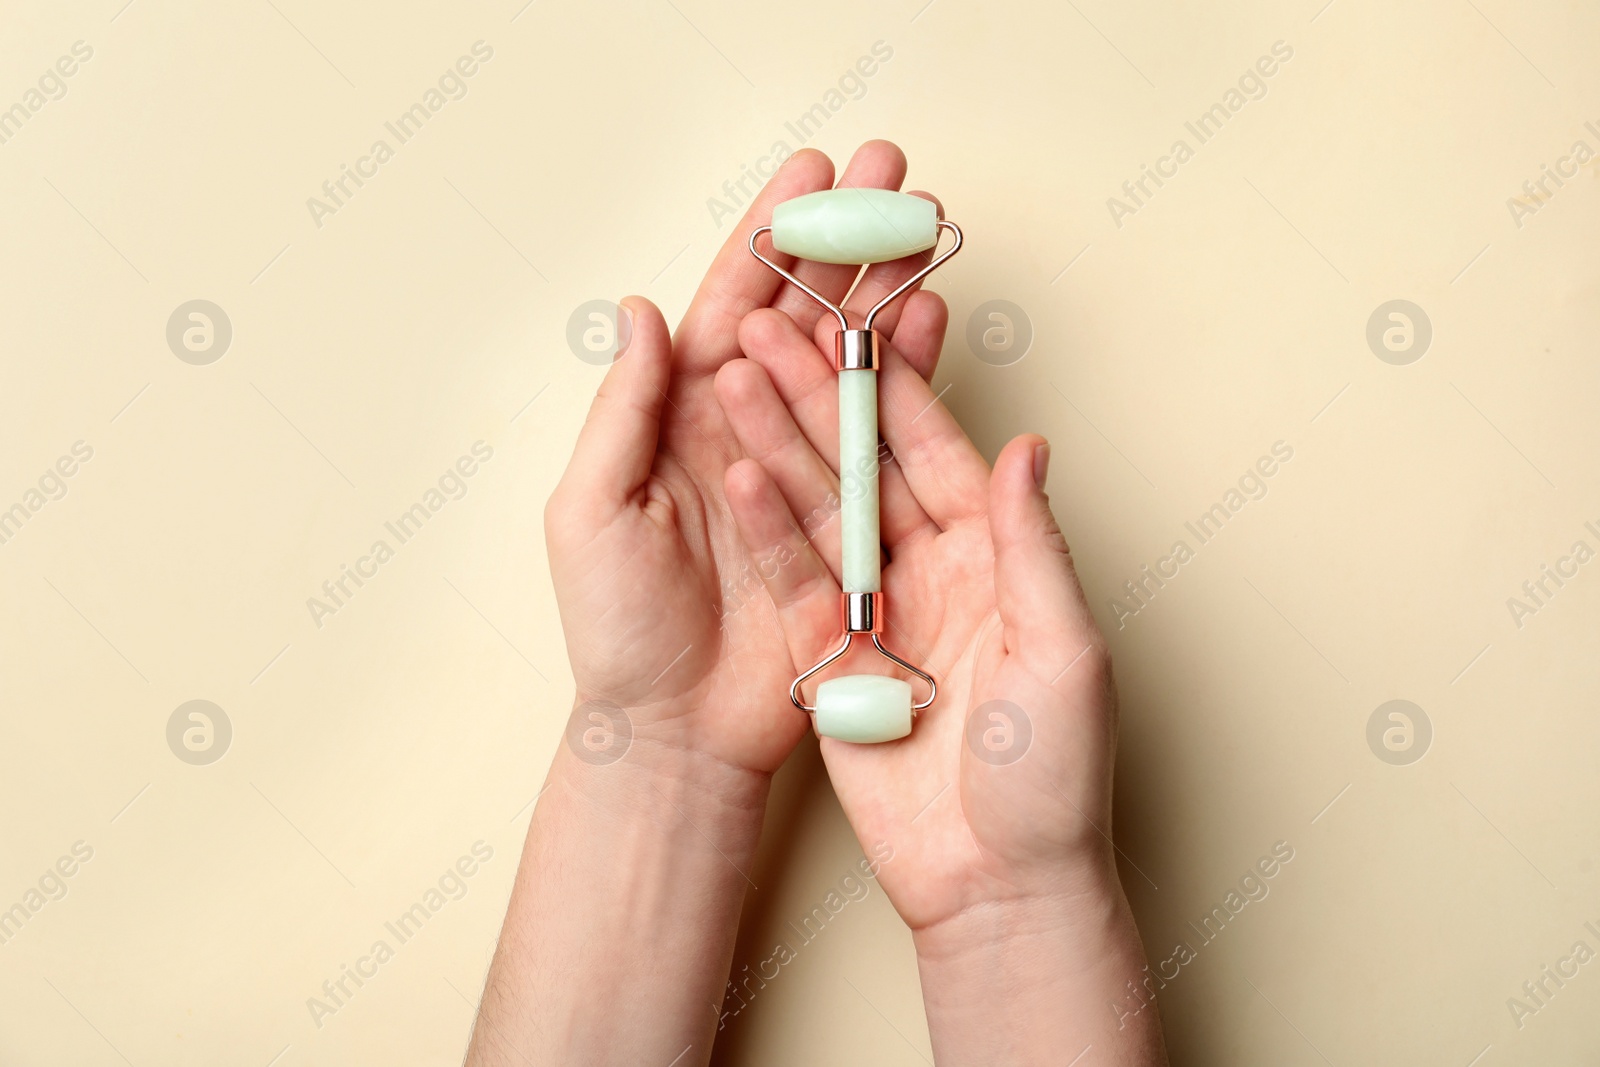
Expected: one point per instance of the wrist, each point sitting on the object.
(1024, 979)
(636, 850)
(629, 764)
(1080, 907)
(708, 718)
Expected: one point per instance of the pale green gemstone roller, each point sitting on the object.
(855, 225)
(859, 226)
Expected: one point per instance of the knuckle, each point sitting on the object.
(1053, 538)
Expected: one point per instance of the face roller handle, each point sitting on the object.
(859, 226)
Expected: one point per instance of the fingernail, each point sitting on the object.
(624, 329)
(1041, 463)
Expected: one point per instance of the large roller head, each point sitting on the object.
(855, 225)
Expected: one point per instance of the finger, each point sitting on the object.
(617, 445)
(946, 474)
(875, 165)
(881, 279)
(1041, 602)
(919, 337)
(801, 586)
(738, 282)
(769, 436)
(808, 387)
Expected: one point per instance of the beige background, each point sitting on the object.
(430, 312)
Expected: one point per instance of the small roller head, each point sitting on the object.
(855, 225)
(864, 708)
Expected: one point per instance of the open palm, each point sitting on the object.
(1007, 775)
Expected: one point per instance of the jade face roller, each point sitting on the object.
(857, 226)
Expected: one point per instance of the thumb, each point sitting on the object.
(1046, 617)
(617, 446)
